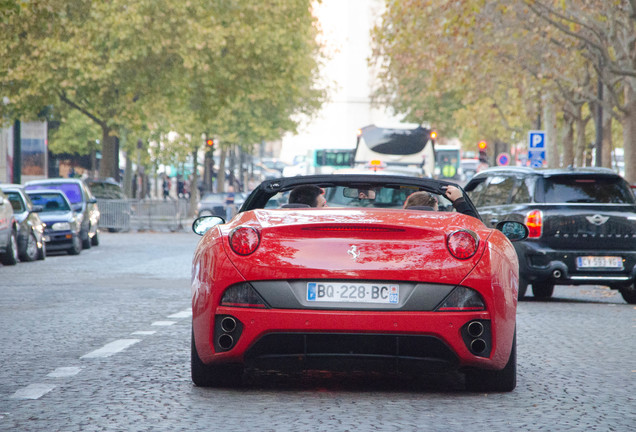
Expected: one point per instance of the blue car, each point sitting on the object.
(63, 224)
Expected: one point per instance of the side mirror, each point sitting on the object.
(202, 224)
(515, 231)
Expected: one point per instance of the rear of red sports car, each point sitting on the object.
(355, 289)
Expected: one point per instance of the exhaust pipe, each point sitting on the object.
(228, 324)
(226, 341)
(556, 274)
(475, 329)
(478, 346)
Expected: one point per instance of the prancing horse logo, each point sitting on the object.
(353, 251)
(597, 219)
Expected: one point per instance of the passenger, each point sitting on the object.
(454, 194)
(311, 195)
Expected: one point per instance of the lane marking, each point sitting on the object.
(183, 314)
(63, 372)
(144, 332)
(111, 348)
(163, 323)
(33, 391)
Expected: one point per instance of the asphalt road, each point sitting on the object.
(101, 342)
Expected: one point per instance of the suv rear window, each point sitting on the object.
(559, 189)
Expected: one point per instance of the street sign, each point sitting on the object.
(536, 148)
(536, 140)
(536, 163)
(503, 159)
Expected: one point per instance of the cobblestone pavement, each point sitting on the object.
(101, 342)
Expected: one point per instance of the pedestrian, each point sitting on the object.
(166, 186)
(229, 202)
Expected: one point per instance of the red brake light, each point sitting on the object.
(244, 240)
(462, 244)
(534, 222)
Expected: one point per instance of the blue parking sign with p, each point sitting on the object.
(536, 140)
(536, 148)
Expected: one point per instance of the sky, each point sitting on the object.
(346, 28)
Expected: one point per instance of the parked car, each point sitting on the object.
(582, 225)
(353, 287)
(63, 225)
(114, 207)
(31, 244)
(82, 200)
(213, 204)
(8, 233)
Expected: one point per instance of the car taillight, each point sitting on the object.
(534, 222)
(462, 299)
(242, 295)
(244, 240)
(462, 244)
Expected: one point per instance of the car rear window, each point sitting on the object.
(559, 189)
(71, 190)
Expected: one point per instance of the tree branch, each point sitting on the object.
(73, 105)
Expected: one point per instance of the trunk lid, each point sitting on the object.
(355, 244)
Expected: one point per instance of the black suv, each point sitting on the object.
(582, 225)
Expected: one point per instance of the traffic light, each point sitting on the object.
(209, 143)
(483, 154)
(433, 136)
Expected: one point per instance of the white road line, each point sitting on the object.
(63, 372)
(144, 332)
(111, 348)
(163, 323)
(183, 314)
(33, 391)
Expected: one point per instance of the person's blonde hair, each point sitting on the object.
(420, 198)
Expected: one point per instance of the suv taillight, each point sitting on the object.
(534, 222)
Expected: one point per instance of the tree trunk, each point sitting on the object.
(109, 165)
(607, 138)
(194, 181)
(579, 153)
(550, 126)
(568, 140)
(629, 134)
(220, 174)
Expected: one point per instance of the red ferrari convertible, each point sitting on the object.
(359, 285)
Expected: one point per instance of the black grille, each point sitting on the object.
(350, 352)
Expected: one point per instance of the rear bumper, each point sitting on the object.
(352, 340)
(540, 264)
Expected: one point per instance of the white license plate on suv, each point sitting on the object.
(351, 292)
(610, 262)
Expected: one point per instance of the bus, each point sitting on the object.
(321, 161)
(405, 148)
(448, 161)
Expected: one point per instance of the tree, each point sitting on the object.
(132, 66)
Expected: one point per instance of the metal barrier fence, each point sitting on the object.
(143, 215)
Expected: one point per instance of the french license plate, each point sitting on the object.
(351, 292)
(612, 262)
